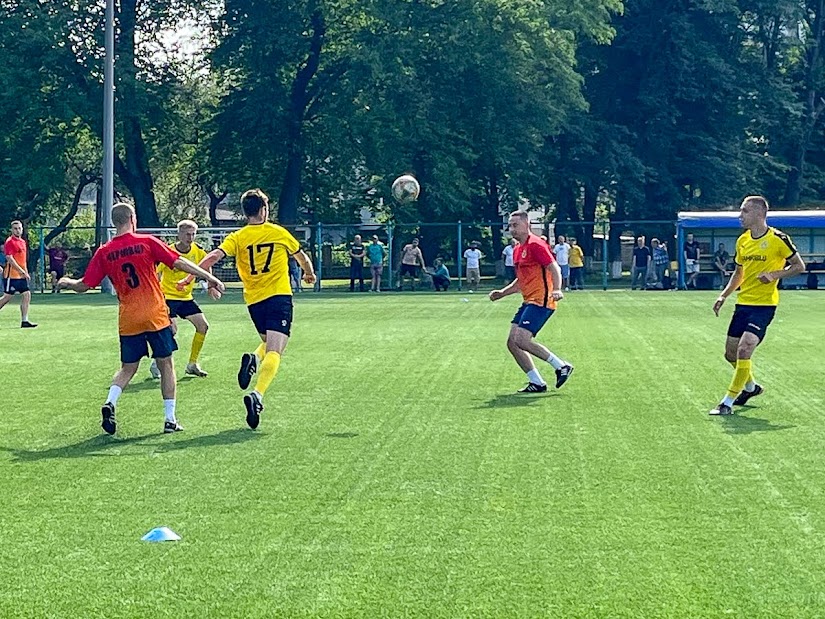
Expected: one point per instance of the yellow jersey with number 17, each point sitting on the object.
(769, 252)
(169, 278)
(261, 254)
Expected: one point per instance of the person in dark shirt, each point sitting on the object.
(57, 264)
(720, 263)
(641, 263)
(692, 255)
(356, 264)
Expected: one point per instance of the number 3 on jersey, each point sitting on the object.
(257, 249)
(132, 279)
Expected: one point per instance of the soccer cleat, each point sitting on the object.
(154, 370)
(109, 423)
(172, 426)
(249, 365)
(254, 408)
(193, 369)
(722, 409)
(27, 325)
(533, 388)
(743, 397)
(562, 374)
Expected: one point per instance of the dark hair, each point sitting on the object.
(253, 201)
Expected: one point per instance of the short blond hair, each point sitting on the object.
(759, 202)
(187, 224)
(122, 214)
(521, 214)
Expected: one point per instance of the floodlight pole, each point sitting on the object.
(108, 199)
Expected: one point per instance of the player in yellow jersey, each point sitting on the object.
(764, 255)
(181, 303)
(261, 250)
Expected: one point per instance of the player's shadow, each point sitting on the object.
(143, 385)
(515, 400)
(737, 424)
(341, 434)
(103, 445)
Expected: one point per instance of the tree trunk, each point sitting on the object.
(214, 202)
(591, 198)
(299, 101)
(491, 213)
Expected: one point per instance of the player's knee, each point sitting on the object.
(730, 356)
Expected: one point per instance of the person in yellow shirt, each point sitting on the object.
(576, 265)
(764, 255)
(180, 302)
(261, 250)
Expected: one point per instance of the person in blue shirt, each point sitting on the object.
(441, 276)
(376, 253)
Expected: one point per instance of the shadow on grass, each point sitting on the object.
(515, 400)
(103, 444)
(737, 424)
(342, 434)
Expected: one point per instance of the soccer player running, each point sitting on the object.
(128, 260)
(261, 250)
(16, 274)
(764, 255)
(181, 303)
(538, 278)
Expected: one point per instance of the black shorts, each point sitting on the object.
(58, 269)
(16, 285)
(134, 347)
(409, 269)
(182, 309)
(751, 319)
(272, 314)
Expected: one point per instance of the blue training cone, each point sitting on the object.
(161, 534)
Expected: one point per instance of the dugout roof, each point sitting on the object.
(730, 219)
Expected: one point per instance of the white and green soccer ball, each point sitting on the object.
(405, 188)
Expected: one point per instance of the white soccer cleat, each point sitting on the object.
(193, 369)
(154, 370)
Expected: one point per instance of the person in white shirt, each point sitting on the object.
(509, 265)
(562, 252)
(473, 257)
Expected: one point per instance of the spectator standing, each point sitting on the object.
(661, 260)
(57, 265)
(720, 262)
(411, 259)
(376, 253)
(441, 276)
(562, 253)
(642, 257)
(356, 264)
(692, 255)
(295, 275)
(473, 257)
(576, 265)
(509, 264)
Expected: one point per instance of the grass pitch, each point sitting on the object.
(395, 474)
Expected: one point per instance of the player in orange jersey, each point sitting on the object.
(129, 260)
(538, 278)
(16, 274)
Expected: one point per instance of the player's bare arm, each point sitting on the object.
(795, 266)
(14, 263)
(555, 275)
(78, 285)
(306, 266)
(733, 283)
(212, 258)
(511, 288)
(187, 266)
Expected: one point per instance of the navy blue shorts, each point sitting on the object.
(751, 319)
(16, 285)
(272, 314)
(182, 309)
(532, 317)
(134, 347)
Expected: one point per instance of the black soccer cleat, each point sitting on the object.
(249, 365)
(171, 426)
(27, 325)
(722, 409)
(743, 397)
(109, 423)
(254, 408)
(562, 374)
(533, 388)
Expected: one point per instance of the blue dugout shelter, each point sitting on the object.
(806, 228)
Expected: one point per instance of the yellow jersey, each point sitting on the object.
(170, 277)
(769, 252)
(261, 254)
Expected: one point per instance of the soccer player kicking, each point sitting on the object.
(261, 250)
(181, 302)
(538, 278)
(761, 256)
(128, 260)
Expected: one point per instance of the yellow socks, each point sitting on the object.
(740, 377)
(260, 352)
(197, 346)
(267, 371)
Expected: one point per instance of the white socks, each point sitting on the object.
(114, 394)
(727, 400)
(169, 410)
(750, 385)
(555, 362)
(534, 377)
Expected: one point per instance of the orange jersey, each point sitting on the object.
(532, 260)
(129, 261)
(17, 249)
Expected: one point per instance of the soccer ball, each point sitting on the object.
(405, 188)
